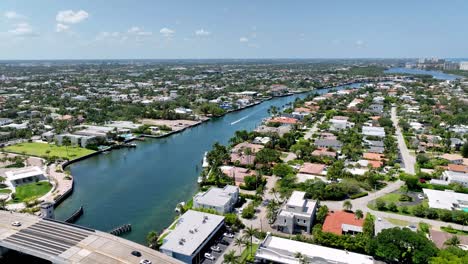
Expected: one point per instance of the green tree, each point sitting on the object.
(152, 240)
(359, 214)
(249, 233)
(392, 207)
(380, 204)
(322, 213)
(231, 258)
(464, 150)
(397, 245)
(452, 241)
(347, 205)
(282, 169)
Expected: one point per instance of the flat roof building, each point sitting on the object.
(448, 200)
(373, 131)
(222, 200)
(24, 176)
(192, 234)
(297, 214)
(281, 250)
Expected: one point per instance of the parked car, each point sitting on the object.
(265, 202)
(145, 261)
(228, 235)
(209, 256)
(420, 196)
(223, 242)
(16, 223)
(136, 253)
(215, 248)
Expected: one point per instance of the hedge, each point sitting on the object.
(358, 195)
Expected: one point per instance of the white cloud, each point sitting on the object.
(61, 28)
(138, 31)
(71, 17)
(244, 39)
(22, 29)
(167, 32)
(202, 33)
(13, 15)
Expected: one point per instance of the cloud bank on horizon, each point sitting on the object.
(238, 29)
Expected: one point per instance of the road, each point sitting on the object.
(313, 129)
(408, 160)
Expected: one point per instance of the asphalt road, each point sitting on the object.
(408, 160)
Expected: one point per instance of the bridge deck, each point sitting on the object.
(64, 243)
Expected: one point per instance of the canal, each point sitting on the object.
(142, 186)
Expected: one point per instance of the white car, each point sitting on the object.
(215, 248)
(16, 223)
(145, 261)
(420, 196)
(209, 256)
(228, 235)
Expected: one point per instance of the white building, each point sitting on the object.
(193, 232)
(464, 65)
(76, 140)
(447, 199)
(24, 176)
(340, 124)
(452, 177)
(222, 200)
(373, 131)
(281, 250)
(297, 214)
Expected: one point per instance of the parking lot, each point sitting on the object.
(222, 243)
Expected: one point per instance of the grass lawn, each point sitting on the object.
(5, 191)
(391, 197)
(246, 253)
(41, 149)
(31, 191)
(453, 231)
(398, 222)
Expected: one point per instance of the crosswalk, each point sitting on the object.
(49, 237)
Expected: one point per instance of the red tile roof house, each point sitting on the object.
(237, 173)
(242, 159)
(246, 145)
(312, 168)
(341, 222)
(238, 153)
(283, 120)
(323, 153)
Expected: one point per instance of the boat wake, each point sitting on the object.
(237, 121)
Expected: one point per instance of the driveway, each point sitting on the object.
(408, 160)
(313, 129)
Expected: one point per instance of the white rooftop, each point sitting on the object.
(216, 196)
(23, 173)
(297, 199)
(373, 131)
(283, 250)
(448, 200)
(192, 229)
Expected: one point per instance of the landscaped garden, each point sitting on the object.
(45, 150)
(31, 191)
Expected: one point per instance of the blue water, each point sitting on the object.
(436, 74)
(142, 186)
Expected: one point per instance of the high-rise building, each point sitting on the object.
(464, 65)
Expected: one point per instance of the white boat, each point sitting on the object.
(200, 179)
(205, 161)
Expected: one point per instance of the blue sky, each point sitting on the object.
(110, 29)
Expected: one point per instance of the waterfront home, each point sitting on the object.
(24, 176)
(261, 140)
(222, 200)
(193, 232)
(242, 147)
(237, 173)
(448, 199)
(78, 140)
(283, 120)
(281, 250)
(341, 222)
(281, 130)
(297, 214)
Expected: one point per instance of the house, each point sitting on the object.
(281, 130)
(373, 156)
(375, 109)
(242, 147)
(337, 124)
(448, 200)
(297, 214)
(283, 120)
(281, 250)
(26, 175)
(458, 168)
(328, 143)
(193, 232)
(237, 173)
(5, 121)
(222, 200)
(449, 177)
(321, 152)
(373, 131)
(453, 158)
(261, 140)
(78, 140)
(313, 168)
(439, 238)
(341, 222)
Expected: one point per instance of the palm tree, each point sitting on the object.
(347, 205)
(301, 258)
(453, 241)
(359, 214)
(152, 239)
(249, 233)
(239, 242)
(272, 210)
(230, 257)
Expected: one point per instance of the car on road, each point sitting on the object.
(265, 202)
(136, 253)
(209, 256)
(228, 235)
(420, 196)
(145, 261)
(215, 248)
(16, 223)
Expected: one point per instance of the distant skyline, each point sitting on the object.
(150, 29)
